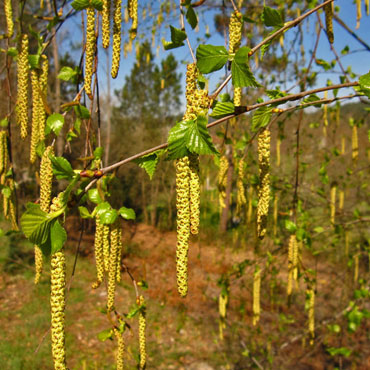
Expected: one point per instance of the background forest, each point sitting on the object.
(318, 180)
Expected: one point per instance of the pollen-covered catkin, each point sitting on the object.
(57, 300)
(278, 145)
(98, 247)
(183, 223)
(223, 300)
(119, 255)
(222, 180)
(276, 212)
(292, 263)
(356, 269)
(237, 96)
(329, 21)
(43, 85)
(256, 295)
(194, 193)
(310, 305)
(333, 196)
(46, 177)
(120, 349)
(106, 251)
(106, 23)
(367, 7)
(116, 49)
(36, 114)
(354, 144)
(264, 186)
(112, 272)
(341, 200)
(22, 87)
(142, 335)
(3, 152)
(358, 13)
(132, 8)
(235, 32)
(241, 200)
(89, 50)
(9, 17)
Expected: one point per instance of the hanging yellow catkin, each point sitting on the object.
(116, 49)
(333, 197)
(354, 144)
(106, 251)
(278, 145)
(133, 13)
(119, 255)
(12, 210)
(341, 200)
(57, 300)
(256, 295)
(325, 112)
(241, 200)
(46, 177)
(194, 193)
(98, 248)
(112, 272)
(222, 306)
(346, 242)
(358, 13)
(9, 18)
(120, 349)
(89, 50)
(3, 152)
(367, 7)
(276, 210)
(310, 306)
(343, 143)
(22, 87)
(36, 114)
(235, 31)
(222, 180)
(292, 263)
(250, 204)
(43, 85)
(264, 186)
(142, 335)
(356, 269)
(329, 21)
(106, 23)
(183, 223)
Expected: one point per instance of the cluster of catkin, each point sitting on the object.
(188, 182)
(264, 185)
(39, 82)
(108, 249)
(57, 299)
(235, 37)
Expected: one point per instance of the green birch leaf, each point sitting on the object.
(211, 58)
(54, 123)
(241, 74)
(191, 17)
(364, 82)
(58, 236)
(108, 217)
(80, 4)
(222, 109)
(264, 47)
(94, 196)
(149, 162)
(271, 17)
(81, 111)
(84, 213)
(127, 213)
(261, 118)
(176, 140)
(177, 39)
(67, 73)
(198, 139)
(62, 169)
(105, 334)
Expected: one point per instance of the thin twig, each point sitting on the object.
(182, 21)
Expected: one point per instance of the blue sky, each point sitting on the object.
(360, 60)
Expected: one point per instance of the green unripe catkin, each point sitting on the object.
(106, 23)
(264, 186)
(116, 53)
(22, 87)
(90, 50)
